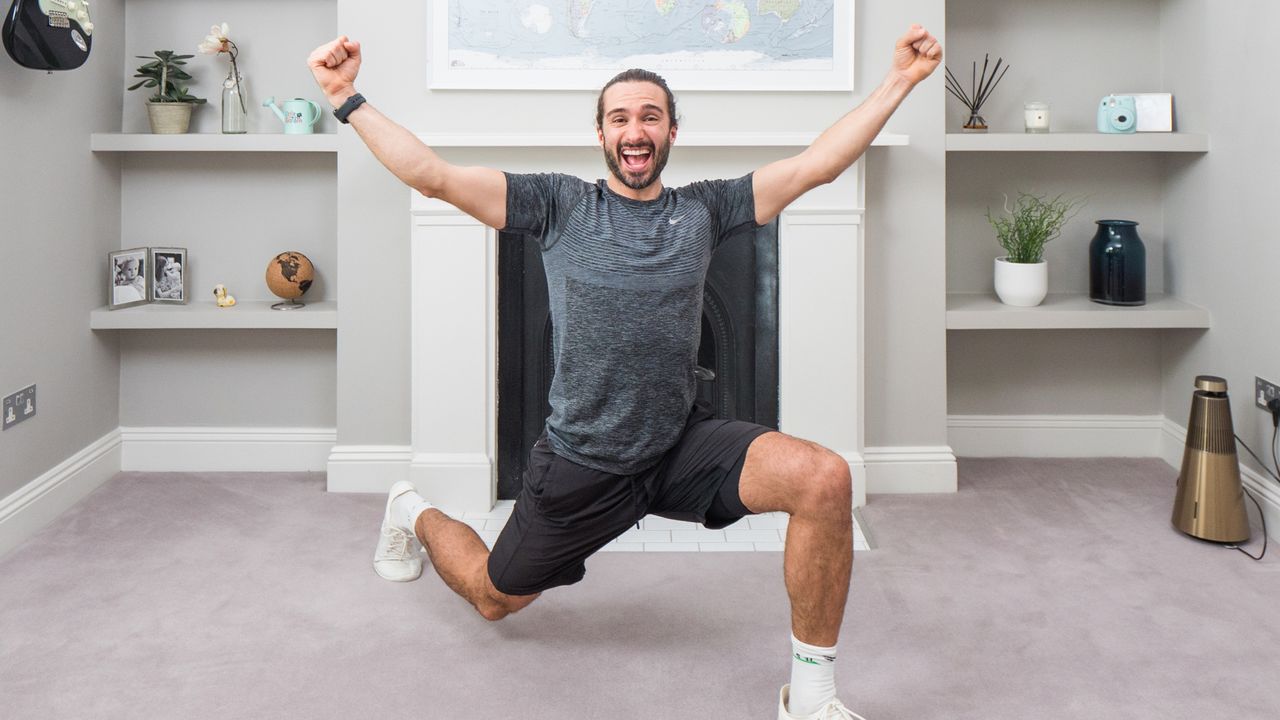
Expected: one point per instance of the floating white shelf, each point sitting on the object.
(981, 311)
(1077, 142)
(683, 139)
(213, 142)
(245, 315)
(328, 142)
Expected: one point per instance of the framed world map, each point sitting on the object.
(732, 45)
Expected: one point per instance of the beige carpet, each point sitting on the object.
(1043, 589)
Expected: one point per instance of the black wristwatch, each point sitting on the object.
(348, 107)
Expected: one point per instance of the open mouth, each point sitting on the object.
(636, 159)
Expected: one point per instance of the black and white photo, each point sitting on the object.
(127, 278)
(168, 275)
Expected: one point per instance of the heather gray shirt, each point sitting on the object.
(625, 281)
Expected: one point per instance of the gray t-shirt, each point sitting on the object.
(625, 279)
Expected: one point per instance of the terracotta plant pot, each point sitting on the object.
(169, 118)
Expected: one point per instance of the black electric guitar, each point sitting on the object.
(49, 34)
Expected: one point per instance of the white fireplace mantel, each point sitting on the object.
(452, 458)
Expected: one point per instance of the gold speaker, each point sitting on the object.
(1210, 500)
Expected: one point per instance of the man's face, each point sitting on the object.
(636, 133)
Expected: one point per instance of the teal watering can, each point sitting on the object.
(299, 115)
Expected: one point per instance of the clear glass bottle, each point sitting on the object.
(235, 104)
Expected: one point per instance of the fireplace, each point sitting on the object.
(454, 455)
(737, 357)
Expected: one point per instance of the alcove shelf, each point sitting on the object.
(205, 315)
(1077, 142)
(983, 311)
(213, 142)
(692, 138)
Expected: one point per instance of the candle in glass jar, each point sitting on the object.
(1037, 117)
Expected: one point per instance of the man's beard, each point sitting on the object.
(657, 162)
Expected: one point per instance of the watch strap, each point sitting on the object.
(348, 107)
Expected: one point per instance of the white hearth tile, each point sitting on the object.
(769, 547)
(489, 537)
(653, 522)
(707, 536)
(645, 536)
(616, 546)
(727, 547)
(476, 524)
(752, 536)
(501, 511)
(768, 521)
(671, 547)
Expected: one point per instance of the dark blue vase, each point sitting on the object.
(1117, 264)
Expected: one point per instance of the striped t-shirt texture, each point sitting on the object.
(625, 280)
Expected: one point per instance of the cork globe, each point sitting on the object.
(289, 275)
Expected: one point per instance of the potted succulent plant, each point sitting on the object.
(169, 108)
(1022, 275)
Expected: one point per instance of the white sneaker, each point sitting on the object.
(833, 710)
(398, 556)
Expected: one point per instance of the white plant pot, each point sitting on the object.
(169, 118)
(1021, 284)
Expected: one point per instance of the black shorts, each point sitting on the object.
(565, 511)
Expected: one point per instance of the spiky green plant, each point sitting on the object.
(162, 73)
(1031, 223)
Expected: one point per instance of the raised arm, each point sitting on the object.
(777, 184)
(477, 191)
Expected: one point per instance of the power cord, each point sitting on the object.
(1274, 406)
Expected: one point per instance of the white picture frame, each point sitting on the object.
(448, 68)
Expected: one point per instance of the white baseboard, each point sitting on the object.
(1056, 435)
(33, 505)
(226, 449)
(913, 469)
(368, 468)
(1264, 489)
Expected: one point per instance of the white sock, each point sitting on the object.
(813, 677)
(406, 508)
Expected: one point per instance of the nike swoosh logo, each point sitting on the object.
(675, 220)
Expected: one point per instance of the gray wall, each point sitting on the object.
(60, 206)
(1222, 248)
(233, 212)
(905, 379)
(1056, 54)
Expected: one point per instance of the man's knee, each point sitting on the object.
(830, 485)
(494, 605)
(496, 609)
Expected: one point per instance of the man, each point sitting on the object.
(625, 260)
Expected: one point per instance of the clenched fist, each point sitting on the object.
(916, 55)
(335, 66)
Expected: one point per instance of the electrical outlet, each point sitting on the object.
(1264, 391)
(18, 407)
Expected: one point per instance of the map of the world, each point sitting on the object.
(791, 36)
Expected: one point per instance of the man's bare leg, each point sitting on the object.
(461, 559)
(813, 485)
